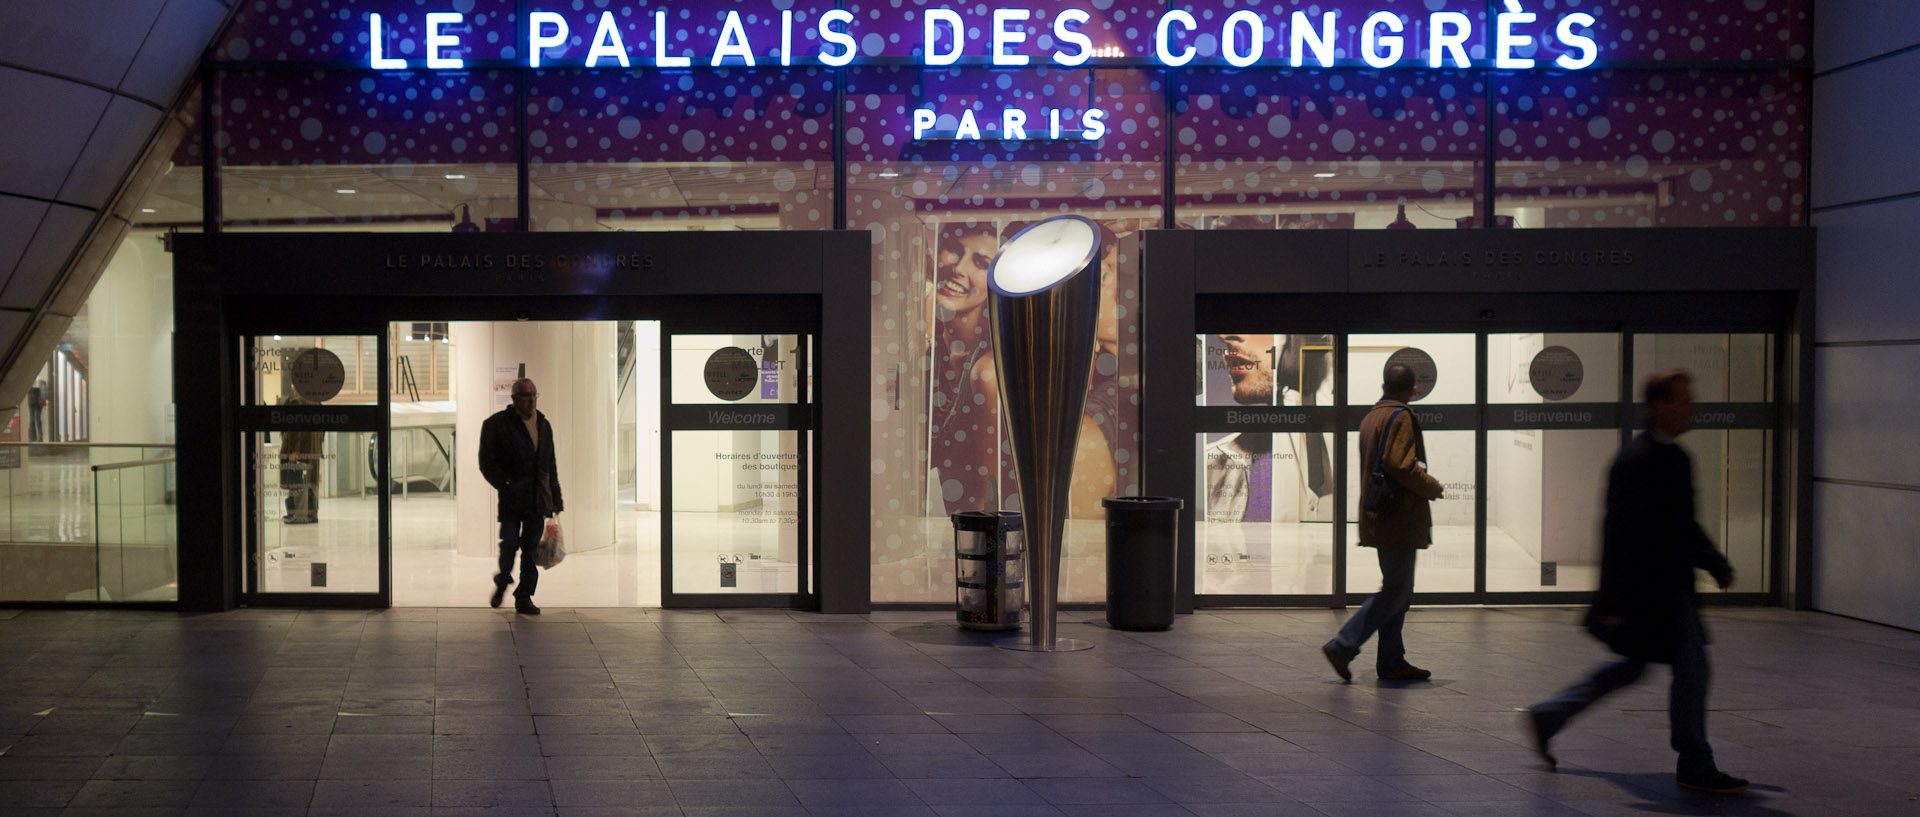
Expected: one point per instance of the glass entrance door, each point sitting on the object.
(1520, 428)
(314, 432)
(1446, 382)
(737, 527)
(1553, 424)
(1264, 516)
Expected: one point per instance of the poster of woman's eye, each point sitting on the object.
(967, 466)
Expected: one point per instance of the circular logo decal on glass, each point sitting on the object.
(1425, 373)
(1556, 373)
(731, 373)
(317, 375)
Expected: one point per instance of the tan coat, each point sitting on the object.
(1410, 525)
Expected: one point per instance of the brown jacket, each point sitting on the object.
(1410, 525)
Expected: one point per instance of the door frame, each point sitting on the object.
(253, 416)
(803, 418)
(372, 279)
(1632, 281)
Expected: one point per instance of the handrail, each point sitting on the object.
(115, 466)
(25, 443)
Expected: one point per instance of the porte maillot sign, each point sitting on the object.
(663, 35)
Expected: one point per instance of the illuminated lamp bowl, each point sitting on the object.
(1043, 255)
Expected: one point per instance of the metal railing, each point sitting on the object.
(87, 522)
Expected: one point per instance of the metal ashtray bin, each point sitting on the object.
(989, 572)
(1142, 570)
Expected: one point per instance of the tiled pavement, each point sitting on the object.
(649, 712)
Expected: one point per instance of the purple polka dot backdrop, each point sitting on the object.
(751, 147)
(358, 146)
(341, 30)
(1268, 142)
(1644, 149)
(1705, 30)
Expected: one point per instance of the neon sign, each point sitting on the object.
(1245, 38)
(1514, 39)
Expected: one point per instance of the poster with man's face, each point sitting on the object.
(1265, 477)
(967, 466)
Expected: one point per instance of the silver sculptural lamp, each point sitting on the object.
(1044, 307)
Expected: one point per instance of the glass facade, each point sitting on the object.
(1678, 123)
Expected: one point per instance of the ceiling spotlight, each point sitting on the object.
(146, 209)
(454, 177)
(1324, 175)
(345, 191)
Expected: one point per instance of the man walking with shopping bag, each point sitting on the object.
(516, 457)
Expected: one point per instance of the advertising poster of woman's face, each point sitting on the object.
(969, 471)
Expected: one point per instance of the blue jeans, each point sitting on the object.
(522, 535)
(1686, 699)
(1384, 613)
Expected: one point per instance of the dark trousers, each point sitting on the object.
(1384, 613)
(522, 535)
(1686, 699)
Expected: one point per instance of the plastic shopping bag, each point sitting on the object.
(553, 546)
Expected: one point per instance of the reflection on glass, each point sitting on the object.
(317, 523)
(1553, 367)
(1730, 465)
(1546, 487)
(1546, 492)
(735, 369)
(306, 370)
(736, 511)
(1726, 368)
(1263, 525)
(1730, 491)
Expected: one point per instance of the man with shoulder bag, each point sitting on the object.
(1396, 522)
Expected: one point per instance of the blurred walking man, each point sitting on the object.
(1647, 611)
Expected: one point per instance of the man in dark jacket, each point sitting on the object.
(1397, 533)
(1646, 612)
(516, 457)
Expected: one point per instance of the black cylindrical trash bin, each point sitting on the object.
(989, 575)
(1141, 554)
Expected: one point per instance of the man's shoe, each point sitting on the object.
(1715, 782)
(1537, 727)
(1406, 673)
(1339, 663)
(525, 607)
(499, 593)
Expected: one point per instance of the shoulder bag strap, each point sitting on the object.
(1381, 451)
